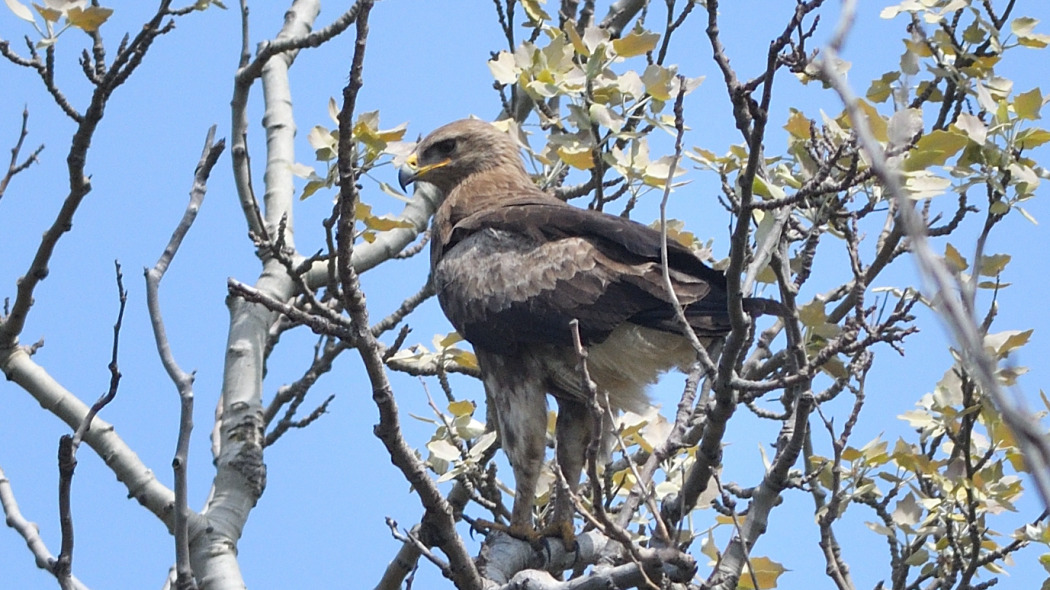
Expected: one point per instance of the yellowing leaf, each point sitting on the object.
(465, 359)
(386, 223)
(954, 259)
(623, 479)
(574, 37)
(461, 408)
(881, 89)
(1027, 104)
(934, 149)
(1014, 341)
(50, 14)
(918, 48)
(798, 125)
(577, 157)
(876, 122)
(943, 141)
(1023, 27)
(763, 571)
(88, 19)
(765, 189)
(362, 210)
(993, 264)
(637, 43)
(533, 10)
(1030, 138)
(726, 519)
(448, 340)
(657, 81)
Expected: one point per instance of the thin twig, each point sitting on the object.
(183, 381)
(15, 166)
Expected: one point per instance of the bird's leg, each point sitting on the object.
(573, 429)
(522, 413)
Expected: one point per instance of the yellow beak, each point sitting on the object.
(411, 172)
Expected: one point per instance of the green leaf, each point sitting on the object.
(974, 33)
(311, 187)
(945, 142)
(50, 14)
(1027, 104)
(767, 190)
(812, 314)
(1030, 138)
(993, 264)
(882, 88)
(918, 558)
(1024, 29)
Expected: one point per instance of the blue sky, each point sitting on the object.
(331, 485)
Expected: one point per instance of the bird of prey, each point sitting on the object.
(514, 265)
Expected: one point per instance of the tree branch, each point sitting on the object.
(15, 166)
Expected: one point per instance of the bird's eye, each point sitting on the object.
(443, 148)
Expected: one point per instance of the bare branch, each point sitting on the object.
(183, 381)
(79, 184)
(15, 166)
(465, 574)
(29, 531)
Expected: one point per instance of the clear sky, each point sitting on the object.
(320, 523)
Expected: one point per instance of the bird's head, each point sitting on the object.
(457, 151)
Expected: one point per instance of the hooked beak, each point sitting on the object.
(411, 172)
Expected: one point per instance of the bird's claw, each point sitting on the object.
(562, 530)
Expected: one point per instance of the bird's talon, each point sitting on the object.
(564, 531)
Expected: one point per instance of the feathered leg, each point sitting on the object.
(521, 406)
(573, 430)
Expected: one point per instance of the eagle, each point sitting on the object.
(513, 265)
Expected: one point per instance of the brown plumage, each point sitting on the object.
(514, 265)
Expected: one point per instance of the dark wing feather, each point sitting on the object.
(577, 263)
(501, 289)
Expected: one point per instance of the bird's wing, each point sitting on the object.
(520, 272)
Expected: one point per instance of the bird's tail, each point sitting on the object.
(757, 306)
